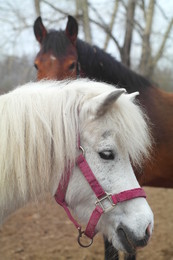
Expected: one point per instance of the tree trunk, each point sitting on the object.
(111, 24)
(37, 7)
(82, 9)
(144, 67)
(125, 54)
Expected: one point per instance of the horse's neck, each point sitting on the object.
(99, 65)
(158, 105)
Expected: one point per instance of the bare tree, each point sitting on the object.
(149, 61)
(112, 21)
(126, 48)
(121, 11)
(82, 12)
(146, 48)
(37, 7)
(159, 53)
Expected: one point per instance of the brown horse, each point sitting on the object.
(63, 55)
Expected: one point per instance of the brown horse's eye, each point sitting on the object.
(35, 65)
(72, 66)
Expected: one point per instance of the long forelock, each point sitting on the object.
(55, 42)
(132, 126)
(132, 130)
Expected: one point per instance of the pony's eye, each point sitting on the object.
(107, 155)
(72, 66)
(35, 65)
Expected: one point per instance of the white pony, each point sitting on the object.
(39, 129)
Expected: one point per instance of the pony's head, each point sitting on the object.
(40, 125)
(57, 58)
(113, 134)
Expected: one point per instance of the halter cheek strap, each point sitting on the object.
(60, 197)
(101, 196)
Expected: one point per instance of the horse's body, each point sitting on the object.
(40, 127)
(62, 55)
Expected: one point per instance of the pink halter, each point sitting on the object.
(101, 195)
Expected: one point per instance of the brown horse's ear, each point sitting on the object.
(39, 30)
(72, 29)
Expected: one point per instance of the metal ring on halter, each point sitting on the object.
(79, 239)
(82, 149)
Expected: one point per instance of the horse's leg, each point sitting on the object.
(129, 257)
(110, 252)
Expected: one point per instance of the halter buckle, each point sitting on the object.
(108, 197)
(82, 149)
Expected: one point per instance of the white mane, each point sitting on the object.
(39, 127)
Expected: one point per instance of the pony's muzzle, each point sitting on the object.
(130, 241)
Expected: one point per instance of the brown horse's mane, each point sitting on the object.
(98, 64)
(95, 63)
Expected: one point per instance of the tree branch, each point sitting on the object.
(115, 10)
(161, 49)
(55, 8)
(162, 11)
(106, 29)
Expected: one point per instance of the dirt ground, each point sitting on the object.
(44, 233)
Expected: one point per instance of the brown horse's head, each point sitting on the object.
(57, 58)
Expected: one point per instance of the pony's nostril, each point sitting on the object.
(148, 230)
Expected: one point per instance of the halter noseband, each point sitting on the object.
(101, 196)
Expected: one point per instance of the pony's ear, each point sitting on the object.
(39, 30)
(133, 95)
(104, 101)
(72, 29)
